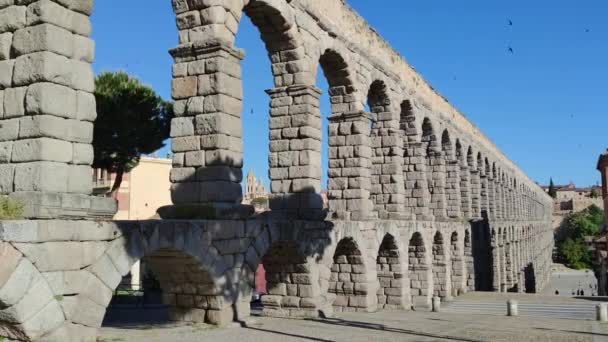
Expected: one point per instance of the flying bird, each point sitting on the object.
(587, 30)
(511, 50)
(510, 22)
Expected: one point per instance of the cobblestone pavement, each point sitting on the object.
(382, 326)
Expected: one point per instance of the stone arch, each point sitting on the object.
(408, 122)
(452, 176)
(30, 310)
(419, 271)
(391, 274)
(290, 282)
(435, 169)
(351, 281)
(377, 98)
(338, 75)
(207, 84)
(441, 268)
(458, 265)
(193, 275)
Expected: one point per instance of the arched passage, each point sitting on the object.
(390, 270)
(421, 278)
(350, 280)
(290, 284)
(441, 268)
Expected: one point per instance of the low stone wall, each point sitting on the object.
(57, 277)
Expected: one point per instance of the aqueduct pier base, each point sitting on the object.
(58, 276)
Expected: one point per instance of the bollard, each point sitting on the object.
(436, 304)
(512, 309)
(602, 312)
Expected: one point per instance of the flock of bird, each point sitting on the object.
(510, 48)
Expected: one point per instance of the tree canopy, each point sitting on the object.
(132, 120)
(552, 191)
(573, 249)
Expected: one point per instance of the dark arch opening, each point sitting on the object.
(419, 272)
(441, 273)
(348, 280)
(288, 279)
(391, 293)
(458, 265)
(175, 287)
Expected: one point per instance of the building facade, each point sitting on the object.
(255, 189)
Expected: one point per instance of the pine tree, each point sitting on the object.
(132, 120)
(552, 191)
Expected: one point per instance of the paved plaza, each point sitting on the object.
(381, 326)
(476, 316)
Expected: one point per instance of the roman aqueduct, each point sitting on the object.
(421, 203)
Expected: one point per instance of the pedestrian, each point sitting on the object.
(582, 292)
(556, 292)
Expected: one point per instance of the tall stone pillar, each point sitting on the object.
(496, 262)
(48, 108)
(207, 132)
(453, 194)
(349, 166)
(491, 198)
(509, 264)
(484, 193)
(498, 199)
(417, 194)
(465, 191)
(295, 151)
(436, 175)
(475, 194)
(388, 185)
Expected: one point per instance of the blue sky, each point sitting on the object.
(544, 106)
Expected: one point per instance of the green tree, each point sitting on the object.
(132, 120)
(576, 253)
(552, 191)
(260, 202)
(594, 193)
(576, 227)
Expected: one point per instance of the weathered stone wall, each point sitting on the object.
(58, 277)
(420, 202)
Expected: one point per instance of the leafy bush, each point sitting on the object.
(572, 248)
(260, 202)
(10, 209)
